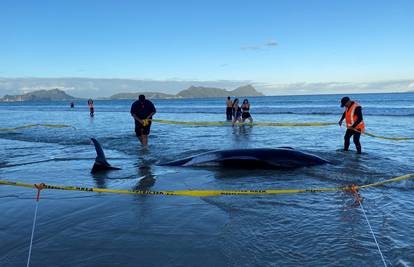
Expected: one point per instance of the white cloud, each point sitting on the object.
(335, 87)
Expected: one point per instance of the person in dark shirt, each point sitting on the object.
(354, 123)
(142, 111)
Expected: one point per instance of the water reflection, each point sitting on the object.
(100, 179)
(242, 133)
(148, 180)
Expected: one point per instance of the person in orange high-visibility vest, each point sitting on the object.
(354, 123)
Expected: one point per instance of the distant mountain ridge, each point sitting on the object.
(195, 92)
(191, 92)
(150, 95)
(40, 95)
(205, 92)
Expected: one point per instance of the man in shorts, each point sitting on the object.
(142, 111)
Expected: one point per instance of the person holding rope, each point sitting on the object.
(142, 111)
(354, 123)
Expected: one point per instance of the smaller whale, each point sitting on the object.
(277, 158)
(101, 164)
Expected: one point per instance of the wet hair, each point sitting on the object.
(141, 97)
(245, 101)
(234, 101)
(228, 97)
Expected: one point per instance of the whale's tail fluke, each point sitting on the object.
(101, 164)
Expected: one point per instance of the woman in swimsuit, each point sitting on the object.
(245, 111)
(236, 111)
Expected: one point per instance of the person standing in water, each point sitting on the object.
(245, 107)
(91, 109)
(236, 111)
(229, 109)
(142, 111)
(72, 105)
(354, 123)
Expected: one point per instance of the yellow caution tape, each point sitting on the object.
(389, 138)
(383, 137)
(36, 125)
(145, 122)
(206, 193)
(282, 124)
(218, 123)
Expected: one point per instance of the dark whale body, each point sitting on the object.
(278, 158)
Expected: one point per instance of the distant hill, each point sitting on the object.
(203, 92)
(150, 95)
(40, 95)
(194, 92)
(191, 92)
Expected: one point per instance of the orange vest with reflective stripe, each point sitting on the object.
(351, 117)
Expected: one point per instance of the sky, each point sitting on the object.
(273, 43)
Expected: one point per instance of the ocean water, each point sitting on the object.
(310, 229)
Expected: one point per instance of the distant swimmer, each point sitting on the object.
(245, 107)
(72, 105)
(236, 111)
(229, 110)
(142, 111)
(91, 109)
(354, 122)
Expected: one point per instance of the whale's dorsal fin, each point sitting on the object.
(101, 163)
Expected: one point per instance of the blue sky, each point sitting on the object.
(275, 42)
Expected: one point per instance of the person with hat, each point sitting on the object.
(142, 111)
(354, 123)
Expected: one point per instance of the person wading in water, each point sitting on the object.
(142, 111)
(229, 109)
(354, 123)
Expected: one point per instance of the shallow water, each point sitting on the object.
(313, 229)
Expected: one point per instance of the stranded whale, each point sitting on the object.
(101, 164)
(278, 158)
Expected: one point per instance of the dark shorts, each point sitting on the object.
(142, 130)
(246, 115)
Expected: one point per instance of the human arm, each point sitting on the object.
(136, 118)
(134, 113)
(153, 111)
(342, 118)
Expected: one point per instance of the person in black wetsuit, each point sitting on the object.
(229, 109)
(142, 111)
(354, 123)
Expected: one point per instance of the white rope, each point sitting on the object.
(31, 239)
(372, 232)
